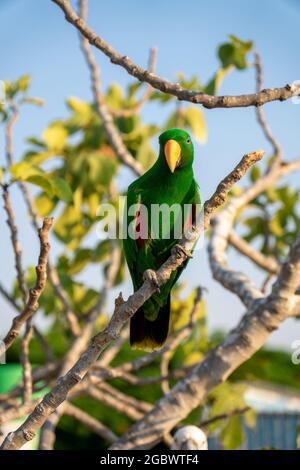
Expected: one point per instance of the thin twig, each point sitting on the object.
(260, 113)
(15, 242)
(9, 298)
(93, 424)
(9, 147)
(49, 354)
(166, 357)
(267, 263)
(111, 131)
(123, 312)
(119, 405)
(35, 293)
(223, 416)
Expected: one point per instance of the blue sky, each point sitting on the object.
(36, 39)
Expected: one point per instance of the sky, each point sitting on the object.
(36, 39)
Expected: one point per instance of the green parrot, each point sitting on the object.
(170, 184)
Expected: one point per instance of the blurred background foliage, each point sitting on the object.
(73, 170)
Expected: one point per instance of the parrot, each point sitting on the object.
(170, 181)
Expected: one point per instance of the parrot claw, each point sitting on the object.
(178, 251)
(150, 275)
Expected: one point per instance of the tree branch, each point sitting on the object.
(265, 262)
(15, 242)
(237, 282)
(93, 424)
(260, 114)
(35, 293)
(260, 320)
(166, 357)
(208, 101)
(123, 312)
(110, 129)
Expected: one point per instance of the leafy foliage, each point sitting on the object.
(273, 218)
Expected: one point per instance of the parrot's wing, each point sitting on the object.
(136, 241)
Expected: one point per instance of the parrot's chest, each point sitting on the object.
(163, 213)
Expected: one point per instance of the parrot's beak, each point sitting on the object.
(172, 154)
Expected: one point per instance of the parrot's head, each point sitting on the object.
(176, 149)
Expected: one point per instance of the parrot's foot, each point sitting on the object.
(150, 275)
(178, 251)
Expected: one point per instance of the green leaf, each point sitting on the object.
(250, 418)
(132, 89)
(55, 136)
(275, 226)
(36, 158)
(62, 189)
(78, 106)
(234, 53)
(44, 204)
(23, 83)
(215, 83)
(145, 154)
(10, 89)
(162, 97)
(82, 258)
(42, 182)
(255, 173)
(114, 96)
(102, 251)
(232, 434)
(196, 122)
(23, 170)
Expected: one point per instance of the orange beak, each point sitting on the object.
(172, 153)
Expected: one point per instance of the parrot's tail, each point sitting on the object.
(150, 335)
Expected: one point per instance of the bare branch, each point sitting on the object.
(49, 354)
(26, 365)
(123, 312)
(35, 293)
(237, 282)
(15, 242)
(260, 114)
(166, 357)
(47, 438)
(93, 424)
(112, 395)
(9, 298)
(221, 417)
(260, 320)
(267, 263)
(9, 150)
(119, 403)
(111, 131)
(132, 111)
(208, 101)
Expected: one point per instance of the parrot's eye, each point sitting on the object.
(188, 141)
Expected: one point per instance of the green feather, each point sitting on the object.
(159, 186)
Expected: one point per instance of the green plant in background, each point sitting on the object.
(74, 170)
